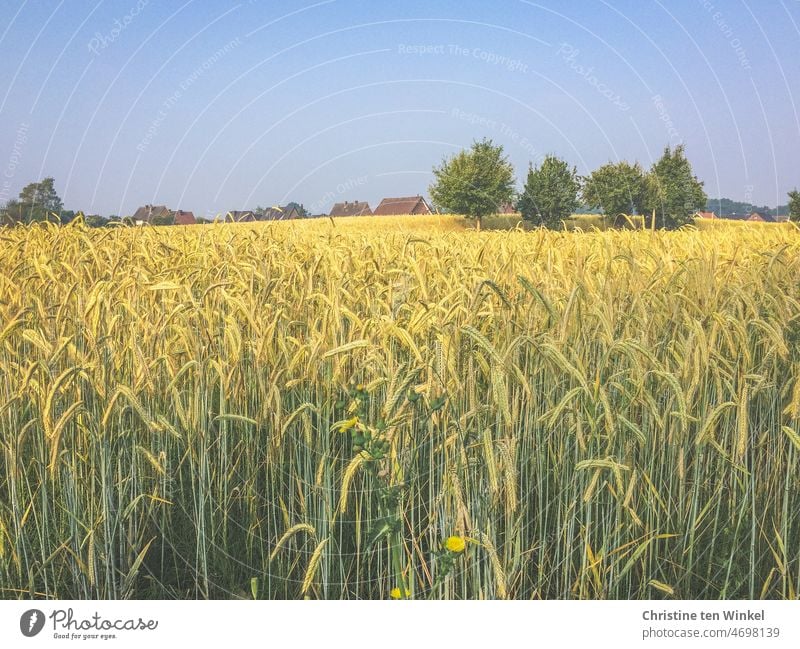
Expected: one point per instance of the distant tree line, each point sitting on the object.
(36, 202)
(39, 202)
(478, 181)
(727, 206)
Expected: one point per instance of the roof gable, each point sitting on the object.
(403, 205)
(184, 218)
(147, 213)
(280, 213)
(760, 216)
(356, 208)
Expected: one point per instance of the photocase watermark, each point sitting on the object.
(503, 129)
(100, 41)
(65, 625)
(728, 32)
(569, 53)
(171, 101)
(13, 161)
(477, 53)
(342, 188)
(664, 116)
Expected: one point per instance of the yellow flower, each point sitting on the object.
(455, 544)
(395, 593)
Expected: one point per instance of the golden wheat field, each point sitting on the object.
(399, 407)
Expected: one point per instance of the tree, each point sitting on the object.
(95, 221)
(617, 189)
(7, 216)
(794, 206)
(42, 193)
(474, 182)
(37, 202)
(551, 192)
(168, 219)
(674, 192)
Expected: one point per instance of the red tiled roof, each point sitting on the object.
(149, 212)
(403, 205)
(184, 218)
(356, 208)
(760, 216)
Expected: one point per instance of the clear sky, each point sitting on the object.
(212, 106)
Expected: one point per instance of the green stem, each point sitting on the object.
(395, 546)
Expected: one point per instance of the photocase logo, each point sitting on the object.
(67, 626)
(31, 622)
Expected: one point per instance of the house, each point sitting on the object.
(404, 205)
(706, 215)
(240, 216)
(285, 213)
(356, 208)
(184, 218)
(150, 213)
(761, 216)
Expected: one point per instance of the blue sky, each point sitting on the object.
(212, 106)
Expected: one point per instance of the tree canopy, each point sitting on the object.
(551, 192)
(674, 192)
(617, 188)
(36, 202)
(794, 206)
(474, 182)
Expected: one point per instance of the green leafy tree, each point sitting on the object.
(40, 200)
(37, 202)
(616, 189)
(794, 206)
(42, 193)
(19, 212)
(474, 182)
(169, 219)
(674, 192)
(551, 192)
(95, 221)
(13, 212)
